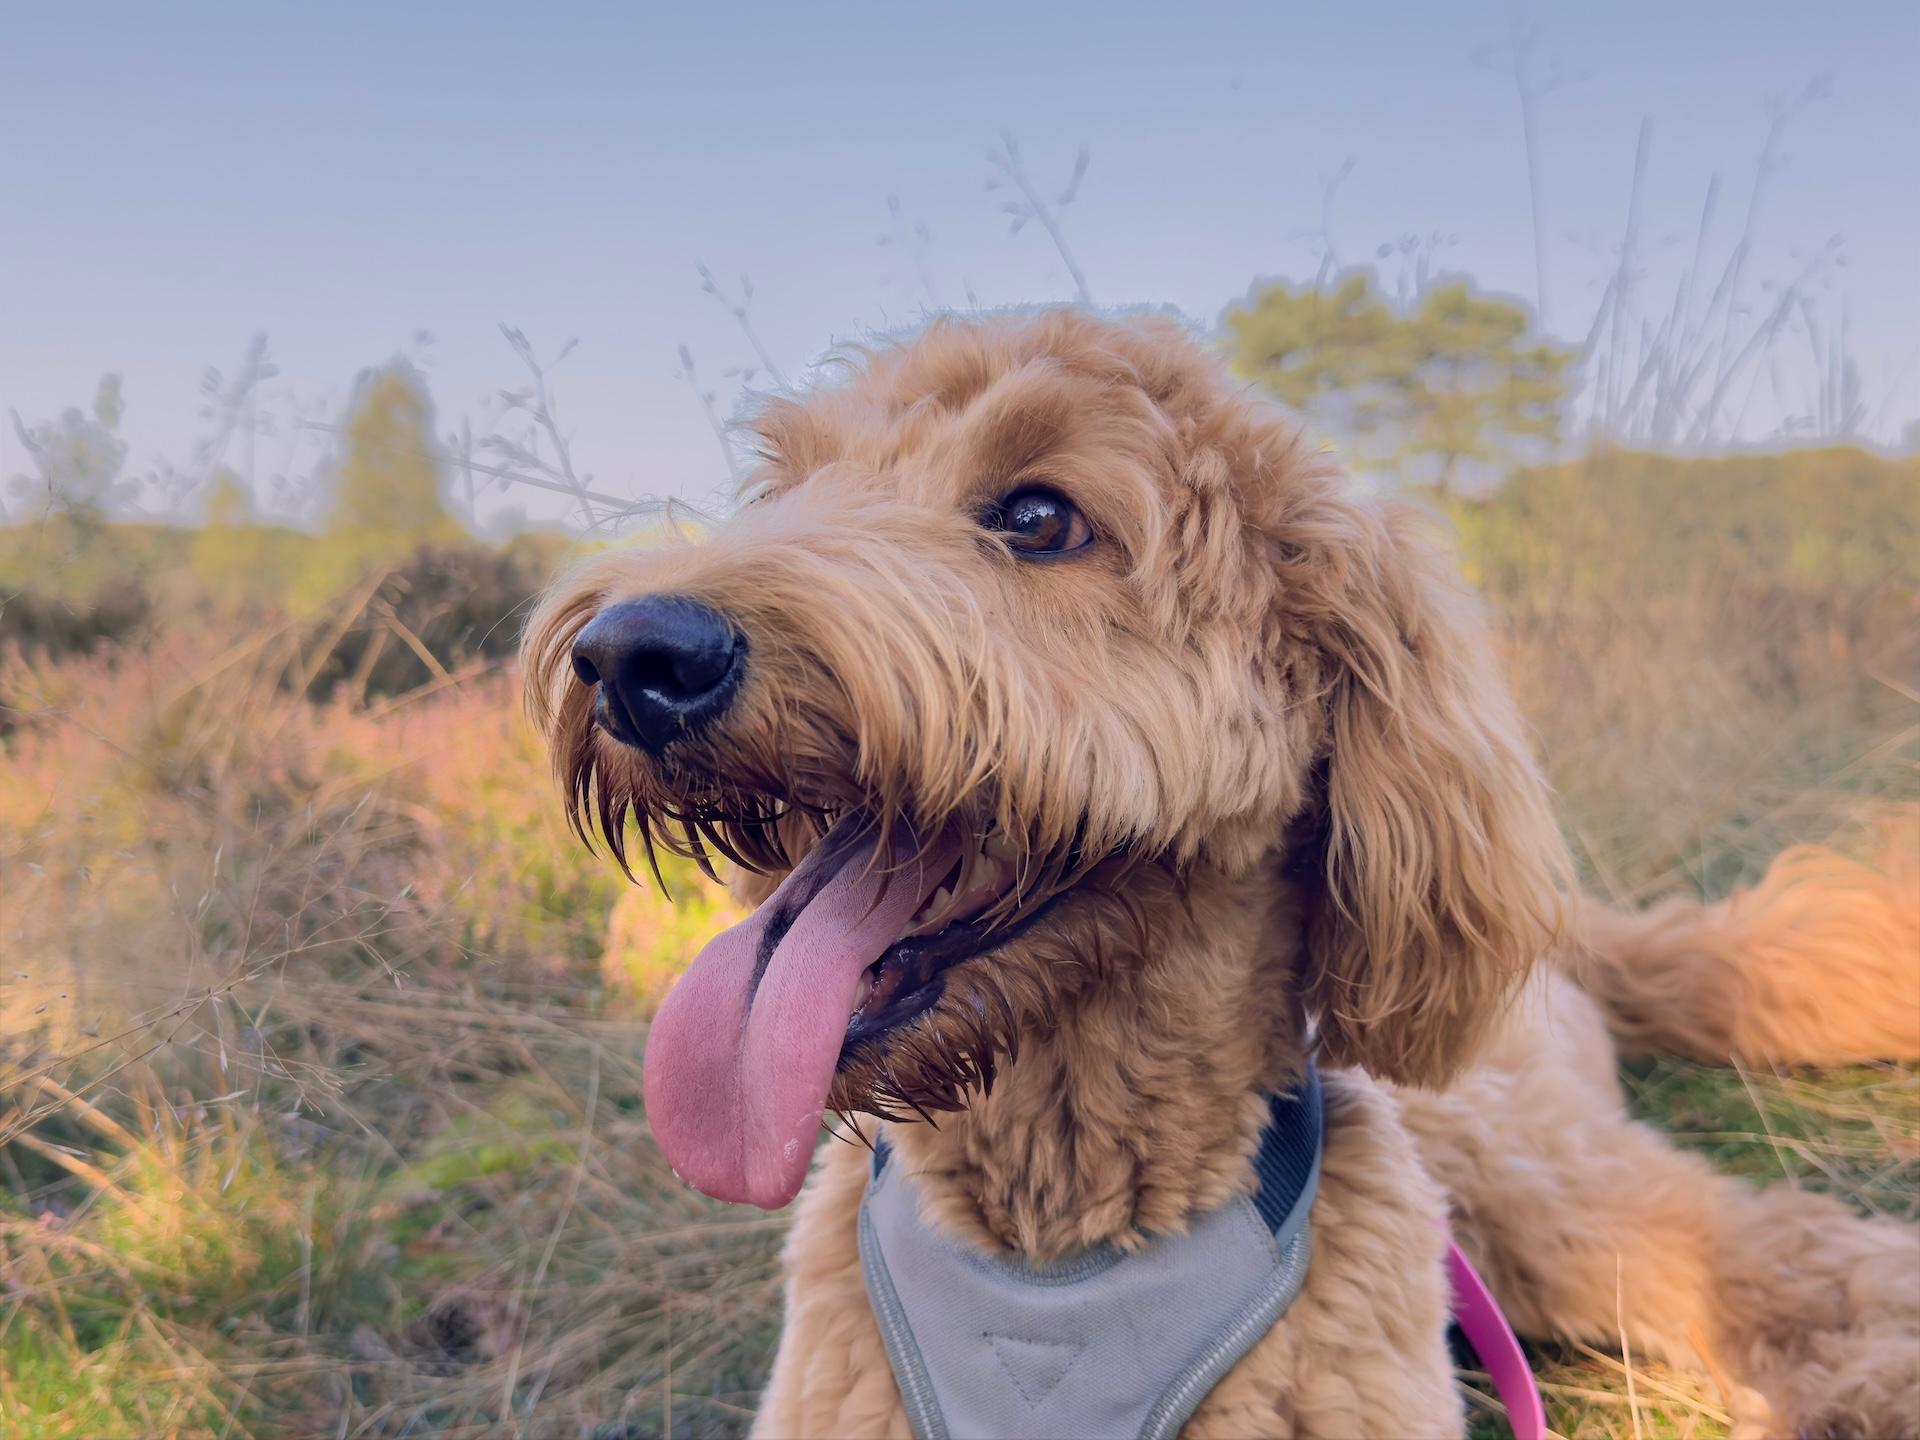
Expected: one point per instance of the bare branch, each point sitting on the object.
(739, 309)
(691, 376)
(1006, 161)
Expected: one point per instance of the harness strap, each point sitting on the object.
(1480, 1319)
(1287, 1164)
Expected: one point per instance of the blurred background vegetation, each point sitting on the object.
(320, 1104)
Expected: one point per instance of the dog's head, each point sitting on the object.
(1013, 629)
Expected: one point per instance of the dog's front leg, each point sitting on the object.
(830, 1375)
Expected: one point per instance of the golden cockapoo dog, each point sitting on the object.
(1221, 775)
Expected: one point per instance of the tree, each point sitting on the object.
(235, 560)
(386, 503)
(389, 479)
(229, 506)
(1455, 382)
(78, 458)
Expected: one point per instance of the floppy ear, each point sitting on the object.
(1443, 869)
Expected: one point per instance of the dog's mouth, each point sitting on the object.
(958, 921)
(855, 943)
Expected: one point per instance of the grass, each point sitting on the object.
(316, 1085)
(1853, 1132)
(320, 1040)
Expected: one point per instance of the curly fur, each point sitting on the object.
(1733, 979)
(1272, 798)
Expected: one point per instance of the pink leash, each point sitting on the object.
(1486, 1329)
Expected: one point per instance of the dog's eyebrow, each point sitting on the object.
(1018, 421)
(794, 436)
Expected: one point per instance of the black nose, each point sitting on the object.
(665, 665)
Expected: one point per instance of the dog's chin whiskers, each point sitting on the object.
(938, 1069)
(852, 1122)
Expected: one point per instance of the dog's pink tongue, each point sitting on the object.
(737, 1073)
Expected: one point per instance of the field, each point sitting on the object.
(320, 1036)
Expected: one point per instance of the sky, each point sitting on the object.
(362, 181)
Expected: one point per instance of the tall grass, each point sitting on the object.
(319, 1086)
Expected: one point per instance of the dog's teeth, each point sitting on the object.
(933, 906)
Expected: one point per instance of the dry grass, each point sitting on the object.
(319, 1039)
(314, 1091)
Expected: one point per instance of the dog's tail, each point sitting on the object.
(1817, 964)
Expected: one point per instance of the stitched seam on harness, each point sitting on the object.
(909, 1369)
(1180, 1399)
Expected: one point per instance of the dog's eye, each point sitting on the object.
(1034, 520)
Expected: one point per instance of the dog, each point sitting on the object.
(1101, 765)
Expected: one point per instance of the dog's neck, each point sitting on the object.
(1141, 1104)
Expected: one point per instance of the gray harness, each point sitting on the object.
(1105, 1345)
